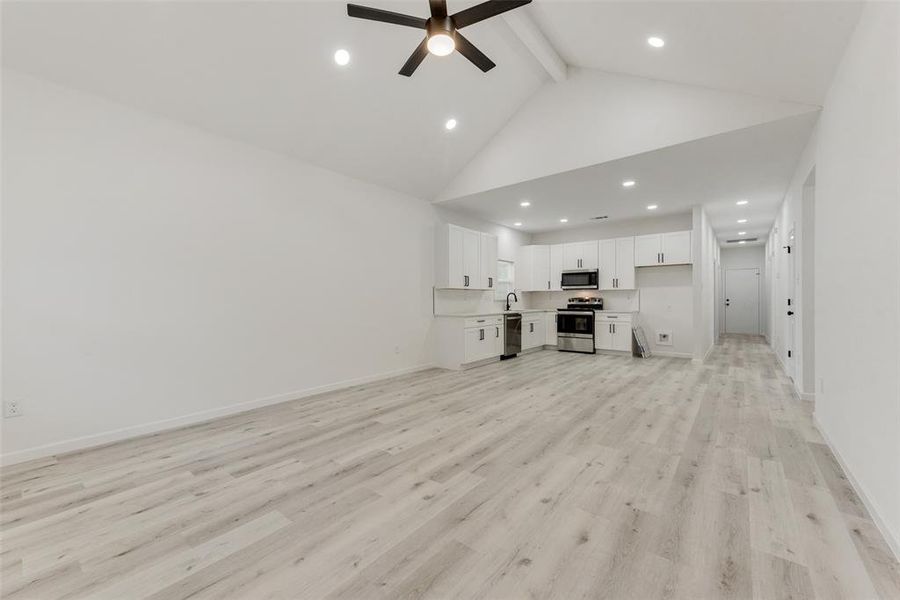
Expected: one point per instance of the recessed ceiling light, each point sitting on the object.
(342, 57)
(524, 203)
(441, 44)
(741, 202)
(450, 124)
(742, 220)
(742, 233)
(628, 183)
(652, 207)
(517, 224)
(656, 42)
(563, 220)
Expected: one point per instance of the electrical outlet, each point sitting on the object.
(12, 408)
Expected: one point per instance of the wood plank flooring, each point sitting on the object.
(550, 476)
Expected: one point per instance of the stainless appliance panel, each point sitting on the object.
(572, 343)
(512, 327)
(581, 279)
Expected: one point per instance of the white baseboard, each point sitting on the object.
(892, 542)
(117, 435)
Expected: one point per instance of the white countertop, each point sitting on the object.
(526, 311)
(497, 313)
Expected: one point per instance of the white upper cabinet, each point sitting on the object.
(465, 259)
(556, 267)
(663, 249)
(541, 267)
(617, 264)
(533, 269)
(488, 251)
(580, 255)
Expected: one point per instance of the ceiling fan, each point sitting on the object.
(442, 30)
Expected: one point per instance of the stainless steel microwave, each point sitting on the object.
(581, 279)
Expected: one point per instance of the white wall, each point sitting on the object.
(705, 268)
(857, 257)
(594, 117)
(154, 274)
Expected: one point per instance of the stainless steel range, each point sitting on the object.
(575, 325)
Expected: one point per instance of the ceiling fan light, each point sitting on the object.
(441, 44)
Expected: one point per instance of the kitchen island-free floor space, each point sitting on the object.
(553, 475)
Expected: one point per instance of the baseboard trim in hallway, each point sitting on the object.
(892, 542)
(136, 431)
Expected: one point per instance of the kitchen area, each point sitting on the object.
(581, 297)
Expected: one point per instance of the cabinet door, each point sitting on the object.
(540, 273)
(589, 255)
(471, 259)
(647, 250)
(474, 344)
(608, 267)
(624, 264)
(676, 248)
(488, 255)
(621, 337)
(455, 257)
(550, 329)
(603, 336)
(571, 256)
(525, 268)
(495, 340)
(557, 262)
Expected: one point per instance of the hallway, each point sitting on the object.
(635, 479)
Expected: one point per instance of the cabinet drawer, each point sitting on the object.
(613, 318)
(483, 322)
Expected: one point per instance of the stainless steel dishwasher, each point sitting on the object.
(512, 340)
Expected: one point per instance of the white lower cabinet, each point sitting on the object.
(463, 340)
(534, 330)
(613, 331)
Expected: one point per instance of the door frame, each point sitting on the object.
(758, 297)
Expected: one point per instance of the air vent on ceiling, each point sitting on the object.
(598, 218)
(741, 240)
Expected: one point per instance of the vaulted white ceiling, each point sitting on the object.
(262, 73)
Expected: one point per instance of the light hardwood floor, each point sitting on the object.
(550, 476)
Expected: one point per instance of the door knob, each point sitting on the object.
(790, 313)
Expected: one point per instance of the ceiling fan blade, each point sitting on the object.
(438, 8)
(485, 10)
(415, 59)
(476, 56)
(385, 16)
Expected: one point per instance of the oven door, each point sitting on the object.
(585, 279)
(575, 322)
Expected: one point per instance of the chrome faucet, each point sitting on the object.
(515, 298)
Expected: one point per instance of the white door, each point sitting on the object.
(647, 250)
(457, 268)
(471, 263)
(625, 264)
(603, 335)
(676, 248)
(525, 268)
(589, 258)
(556, 266)
(791, 353)
(607, 264)
(621, 339)
(571, 256)
(742, 301)
(540, 268)
(488, 253)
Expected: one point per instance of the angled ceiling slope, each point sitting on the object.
(595, 117)
(263, 73)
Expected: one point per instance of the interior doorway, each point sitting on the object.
(742, 301)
